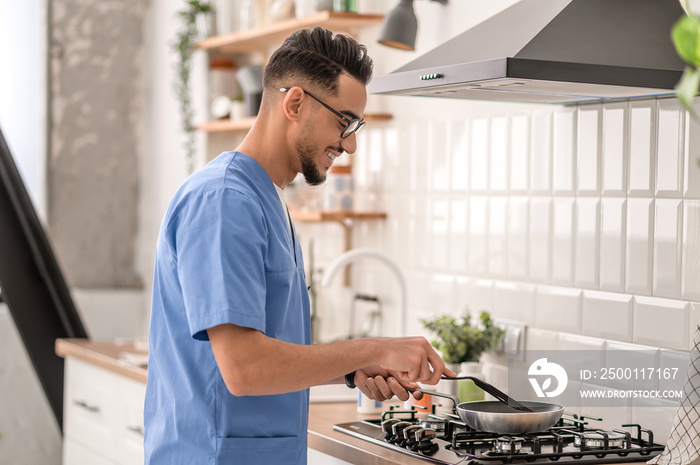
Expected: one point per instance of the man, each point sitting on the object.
(229, 271)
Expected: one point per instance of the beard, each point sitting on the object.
(311, 173)
(305, 153)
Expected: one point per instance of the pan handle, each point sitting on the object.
(454, 399)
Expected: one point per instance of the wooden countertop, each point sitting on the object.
(104, 354)
(322, 416)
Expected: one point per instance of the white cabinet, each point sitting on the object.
(102, 416)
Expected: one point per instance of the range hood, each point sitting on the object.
(552, 51)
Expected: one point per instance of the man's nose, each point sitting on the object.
(349, 144)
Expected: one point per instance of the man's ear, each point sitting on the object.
(292, 103)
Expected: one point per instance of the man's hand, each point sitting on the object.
(412, 360)
(376, 383)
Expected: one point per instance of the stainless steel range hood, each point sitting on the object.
(552, 51)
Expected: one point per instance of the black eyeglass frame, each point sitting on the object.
(346, 132)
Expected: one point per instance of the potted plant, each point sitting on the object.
(462, 344)
(458, 340)
(194, 18)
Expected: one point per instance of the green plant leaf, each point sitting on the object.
(460, 341)
(686, 38)
(687, 87)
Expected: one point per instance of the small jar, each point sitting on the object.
(345, 6)
(338, 193)
(466, 389)
(222, 85)
(367, 405)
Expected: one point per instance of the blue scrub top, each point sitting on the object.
(224, 255)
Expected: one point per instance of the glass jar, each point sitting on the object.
(345, 6)
(467, 391)
(339, 187)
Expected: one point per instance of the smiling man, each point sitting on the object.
(230, 359)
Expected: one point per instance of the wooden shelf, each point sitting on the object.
(259, 38)
(341, 216)
(244, 124)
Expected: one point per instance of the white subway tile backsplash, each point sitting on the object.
(558, 308)
(614, 159)
(391, 179)
(563, 241)
(563, 160)
(667, 248)
(691, 165)
(541, 339)
(441, 291)
(580, 221)
(642, 139)
(576, 342)
(669, 359)
(458, 235)
(479, 155)
(661, 322)
(690, 273)
(478, 294)
(519, 153)
(514, 301)
(498, 156)
(612, 244)
(587, 150)
(517, 237)
(694, 324)
(478, 230)
(439, 166)
(587, 239)
(497, 236)
(541, 152)
(459, 156)
(639, 243)
(670, 145)
(655, 412)
(440, 232)
(540, 241)
(607, 314)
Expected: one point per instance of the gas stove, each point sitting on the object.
(445, 439)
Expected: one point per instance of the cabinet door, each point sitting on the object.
(132, 394)
(75, 453)
(90, 407)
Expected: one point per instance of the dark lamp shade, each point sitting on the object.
(399, 27)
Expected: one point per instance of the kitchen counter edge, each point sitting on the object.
(322, 416)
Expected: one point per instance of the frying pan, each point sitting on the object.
(497, 417)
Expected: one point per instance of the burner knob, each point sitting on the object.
(397, 431)
(387, 424)
(410, 436)
(426, 435)
(424, 442)
(428, 449)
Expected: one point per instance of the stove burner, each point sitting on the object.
(437, 424)
(597, 440)
(447, 441)
(508, 444)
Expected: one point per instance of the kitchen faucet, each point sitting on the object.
(351, 255)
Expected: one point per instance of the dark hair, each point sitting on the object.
(318, 57)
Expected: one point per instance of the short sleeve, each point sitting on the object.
(219, 241)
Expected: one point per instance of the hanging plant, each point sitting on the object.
(187, 36)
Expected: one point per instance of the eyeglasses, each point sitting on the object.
(351, 125)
